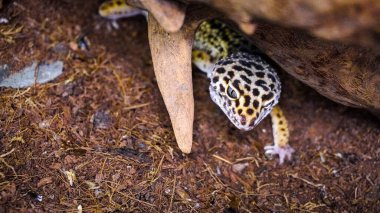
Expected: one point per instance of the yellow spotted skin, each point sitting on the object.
(218, 41)
(117, 9)
(280, 135)
(243, 82)
(280, 123)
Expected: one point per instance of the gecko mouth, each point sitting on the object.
(237, 120)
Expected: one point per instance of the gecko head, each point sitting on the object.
(245, 87)
(115, 9)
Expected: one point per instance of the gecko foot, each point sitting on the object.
(282, 152)
(115, 25)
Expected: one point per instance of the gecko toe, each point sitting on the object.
(282, 152)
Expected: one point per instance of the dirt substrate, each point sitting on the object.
(103, 123)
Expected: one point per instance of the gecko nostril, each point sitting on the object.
(243, 120)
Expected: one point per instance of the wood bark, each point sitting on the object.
(331, 45)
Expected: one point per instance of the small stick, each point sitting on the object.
(136, 106)
(172, 197)
(222, 159)
(318, 185)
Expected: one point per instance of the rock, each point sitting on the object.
(25, 78)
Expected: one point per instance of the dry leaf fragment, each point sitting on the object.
(239, 167)
(92, 185)
(8, 33)
(44, 181)
(70, 176)
(183, 194)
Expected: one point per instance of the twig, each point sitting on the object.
(9, 166)
(286, 199)
(318, 185)
(103, 164)
(121, 85)
(264, 185)
(136, 106)
(154, 178)
(5, 163)
(172, 197)
(369, 180)
(213, 175)
(222, 159)
(8, 153)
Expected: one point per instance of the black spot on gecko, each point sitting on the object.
(260, 83)
(236, 85)
(222, 89)
(245, 63)
(226, 62)
(240, 111)
(224, 37)
(260, 74)
(280, 122)
(247, 87)
(226, 79)
(249, 72)
(258, 67)
(240, 68)
(256, 92)
(220, 70)
(246, 79)
(256, 104)
(215, 24)
(237, 68)
(247, 100)
(215, 79)
(249, 111)
(271, 77)
(231, 74)
(267, 97)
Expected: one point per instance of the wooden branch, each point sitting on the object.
(171, 55)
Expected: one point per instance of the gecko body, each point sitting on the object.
(243, 82)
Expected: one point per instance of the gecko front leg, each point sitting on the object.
(280, 130)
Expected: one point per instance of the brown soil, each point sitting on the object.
(104, 120)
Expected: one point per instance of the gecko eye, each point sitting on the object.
(232, 93)
(266, 107)
(269, 103)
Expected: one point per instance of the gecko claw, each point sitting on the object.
(282, 152)
(115, 25)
